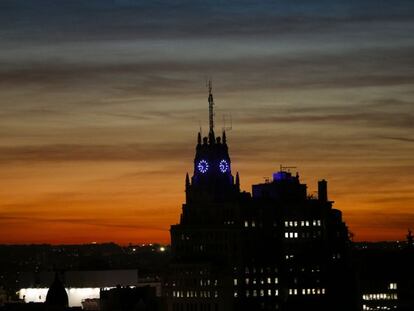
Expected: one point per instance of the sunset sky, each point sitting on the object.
(101, 102)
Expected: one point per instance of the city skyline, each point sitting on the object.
(102, 101)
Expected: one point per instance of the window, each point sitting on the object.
(393, 286)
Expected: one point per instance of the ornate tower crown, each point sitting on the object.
(212, 164)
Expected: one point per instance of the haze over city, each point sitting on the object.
(101, 102)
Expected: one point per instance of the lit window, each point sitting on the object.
(302, 223)
(247, 293)
(235, 282)
(253, 224)
(235, 294)
(261, 293)
(269, 280)
(246, 223)
(393, 286)
(319, 223)
(307, 223)
(254, 293)
(291, 223)
(247, 281)
(286, 234)
(276, 280)
(286, 224)
(276, 292)
(296, 234)
(295, 223)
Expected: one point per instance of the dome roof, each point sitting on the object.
(56, 295)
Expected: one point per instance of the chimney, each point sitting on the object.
(323, 190)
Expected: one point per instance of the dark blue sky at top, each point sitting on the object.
(74, 19)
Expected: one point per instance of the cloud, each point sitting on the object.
(61, 152)
(402, 139)
(109, 223)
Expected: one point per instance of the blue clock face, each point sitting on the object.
(202, 166)
(224, 166)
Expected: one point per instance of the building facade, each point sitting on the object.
(277, 248)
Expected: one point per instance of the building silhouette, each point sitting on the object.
(277, 248)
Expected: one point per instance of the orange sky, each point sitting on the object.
(98, 122)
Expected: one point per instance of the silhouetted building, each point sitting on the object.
(386, 275)
(129, 299)
(56, 295)
(277, 249)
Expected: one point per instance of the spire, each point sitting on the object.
(224, 137)
(211, 111)
(199, 138)
(187, 181)
(237, 181)
(56, 295)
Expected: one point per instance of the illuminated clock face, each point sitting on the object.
(224, 166)
(202, 166)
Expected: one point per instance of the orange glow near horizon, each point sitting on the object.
(101, 105)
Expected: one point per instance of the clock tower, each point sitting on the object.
(212, 178)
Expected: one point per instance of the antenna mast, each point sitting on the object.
(210, 106)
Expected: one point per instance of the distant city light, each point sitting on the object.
(162, 249)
